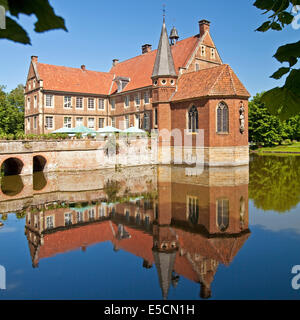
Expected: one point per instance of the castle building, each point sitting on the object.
(182, 85)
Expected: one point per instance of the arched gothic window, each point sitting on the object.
(193, 119)
(222, 118)
(222, 214)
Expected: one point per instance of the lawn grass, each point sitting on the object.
(293, 148)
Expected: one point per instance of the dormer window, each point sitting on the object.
(121, 83)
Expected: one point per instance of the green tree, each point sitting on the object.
(282, 101)
(264, 128)
(46, 19)
(12, 111)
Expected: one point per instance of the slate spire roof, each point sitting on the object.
(164, 262)
(164, 63)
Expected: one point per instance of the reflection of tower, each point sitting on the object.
(164, 252)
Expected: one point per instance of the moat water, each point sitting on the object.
(153, 233)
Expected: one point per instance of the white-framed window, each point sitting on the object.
(49, 122)
(29, 85)
(79, 103)
(91, 123)
(35, 102)
(202, 51)
(33, 83)
(101, 211)
(146, 97)
(68, 219)
(35, 122)
(67, 102)
(79, 216)
(113, 121)
(101, 122)
(197, 66)
(212, 53)
(113, 104)
(91, 103)
(101, 104)
(67, 122)
(137, 99)
(49, 100)
(126, 121)
(79, 121)
(28, 124)
(49, 222)
(126, 101)
(91, 214)
(28, 103)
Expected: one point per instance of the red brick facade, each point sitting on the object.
(128, 95)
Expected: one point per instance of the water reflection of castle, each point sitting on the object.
(185, 225)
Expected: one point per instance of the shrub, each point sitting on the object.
(78, 135)
(287, 142)
(20, 136)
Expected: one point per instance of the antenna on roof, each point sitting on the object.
(164, 12)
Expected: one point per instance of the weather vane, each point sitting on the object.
(164, 11)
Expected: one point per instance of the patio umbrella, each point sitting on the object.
(134, 130)
(108, 129)
(82, 129)
(63, 130)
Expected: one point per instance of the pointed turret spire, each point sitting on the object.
(164, 262)
(164, 63)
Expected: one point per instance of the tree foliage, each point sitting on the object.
(267, 129)
(275, 182)
(46, 19)
(12, 110)
(282, 101)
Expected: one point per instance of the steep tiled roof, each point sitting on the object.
(139, 69)
(74, 79)
(216, 81)
(164, 64)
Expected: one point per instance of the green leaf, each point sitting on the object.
(264, 4)
(280, 72)
(288, 51)
(293, 61)
(14, 32)
(284, 102)
(46, 18)
(264, 27)
(276, 26)
(285, 17)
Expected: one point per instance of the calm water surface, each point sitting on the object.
(153, 233)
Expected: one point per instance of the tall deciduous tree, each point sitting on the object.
(11, 110)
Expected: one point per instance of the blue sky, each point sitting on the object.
(99, 31)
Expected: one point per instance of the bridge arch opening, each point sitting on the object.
(12, 185)
(39, 163)
(11, 167)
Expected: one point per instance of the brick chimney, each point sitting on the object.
(203, 26)
(34, 59)
(146, 48)
(115, 62)
(82, 67)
